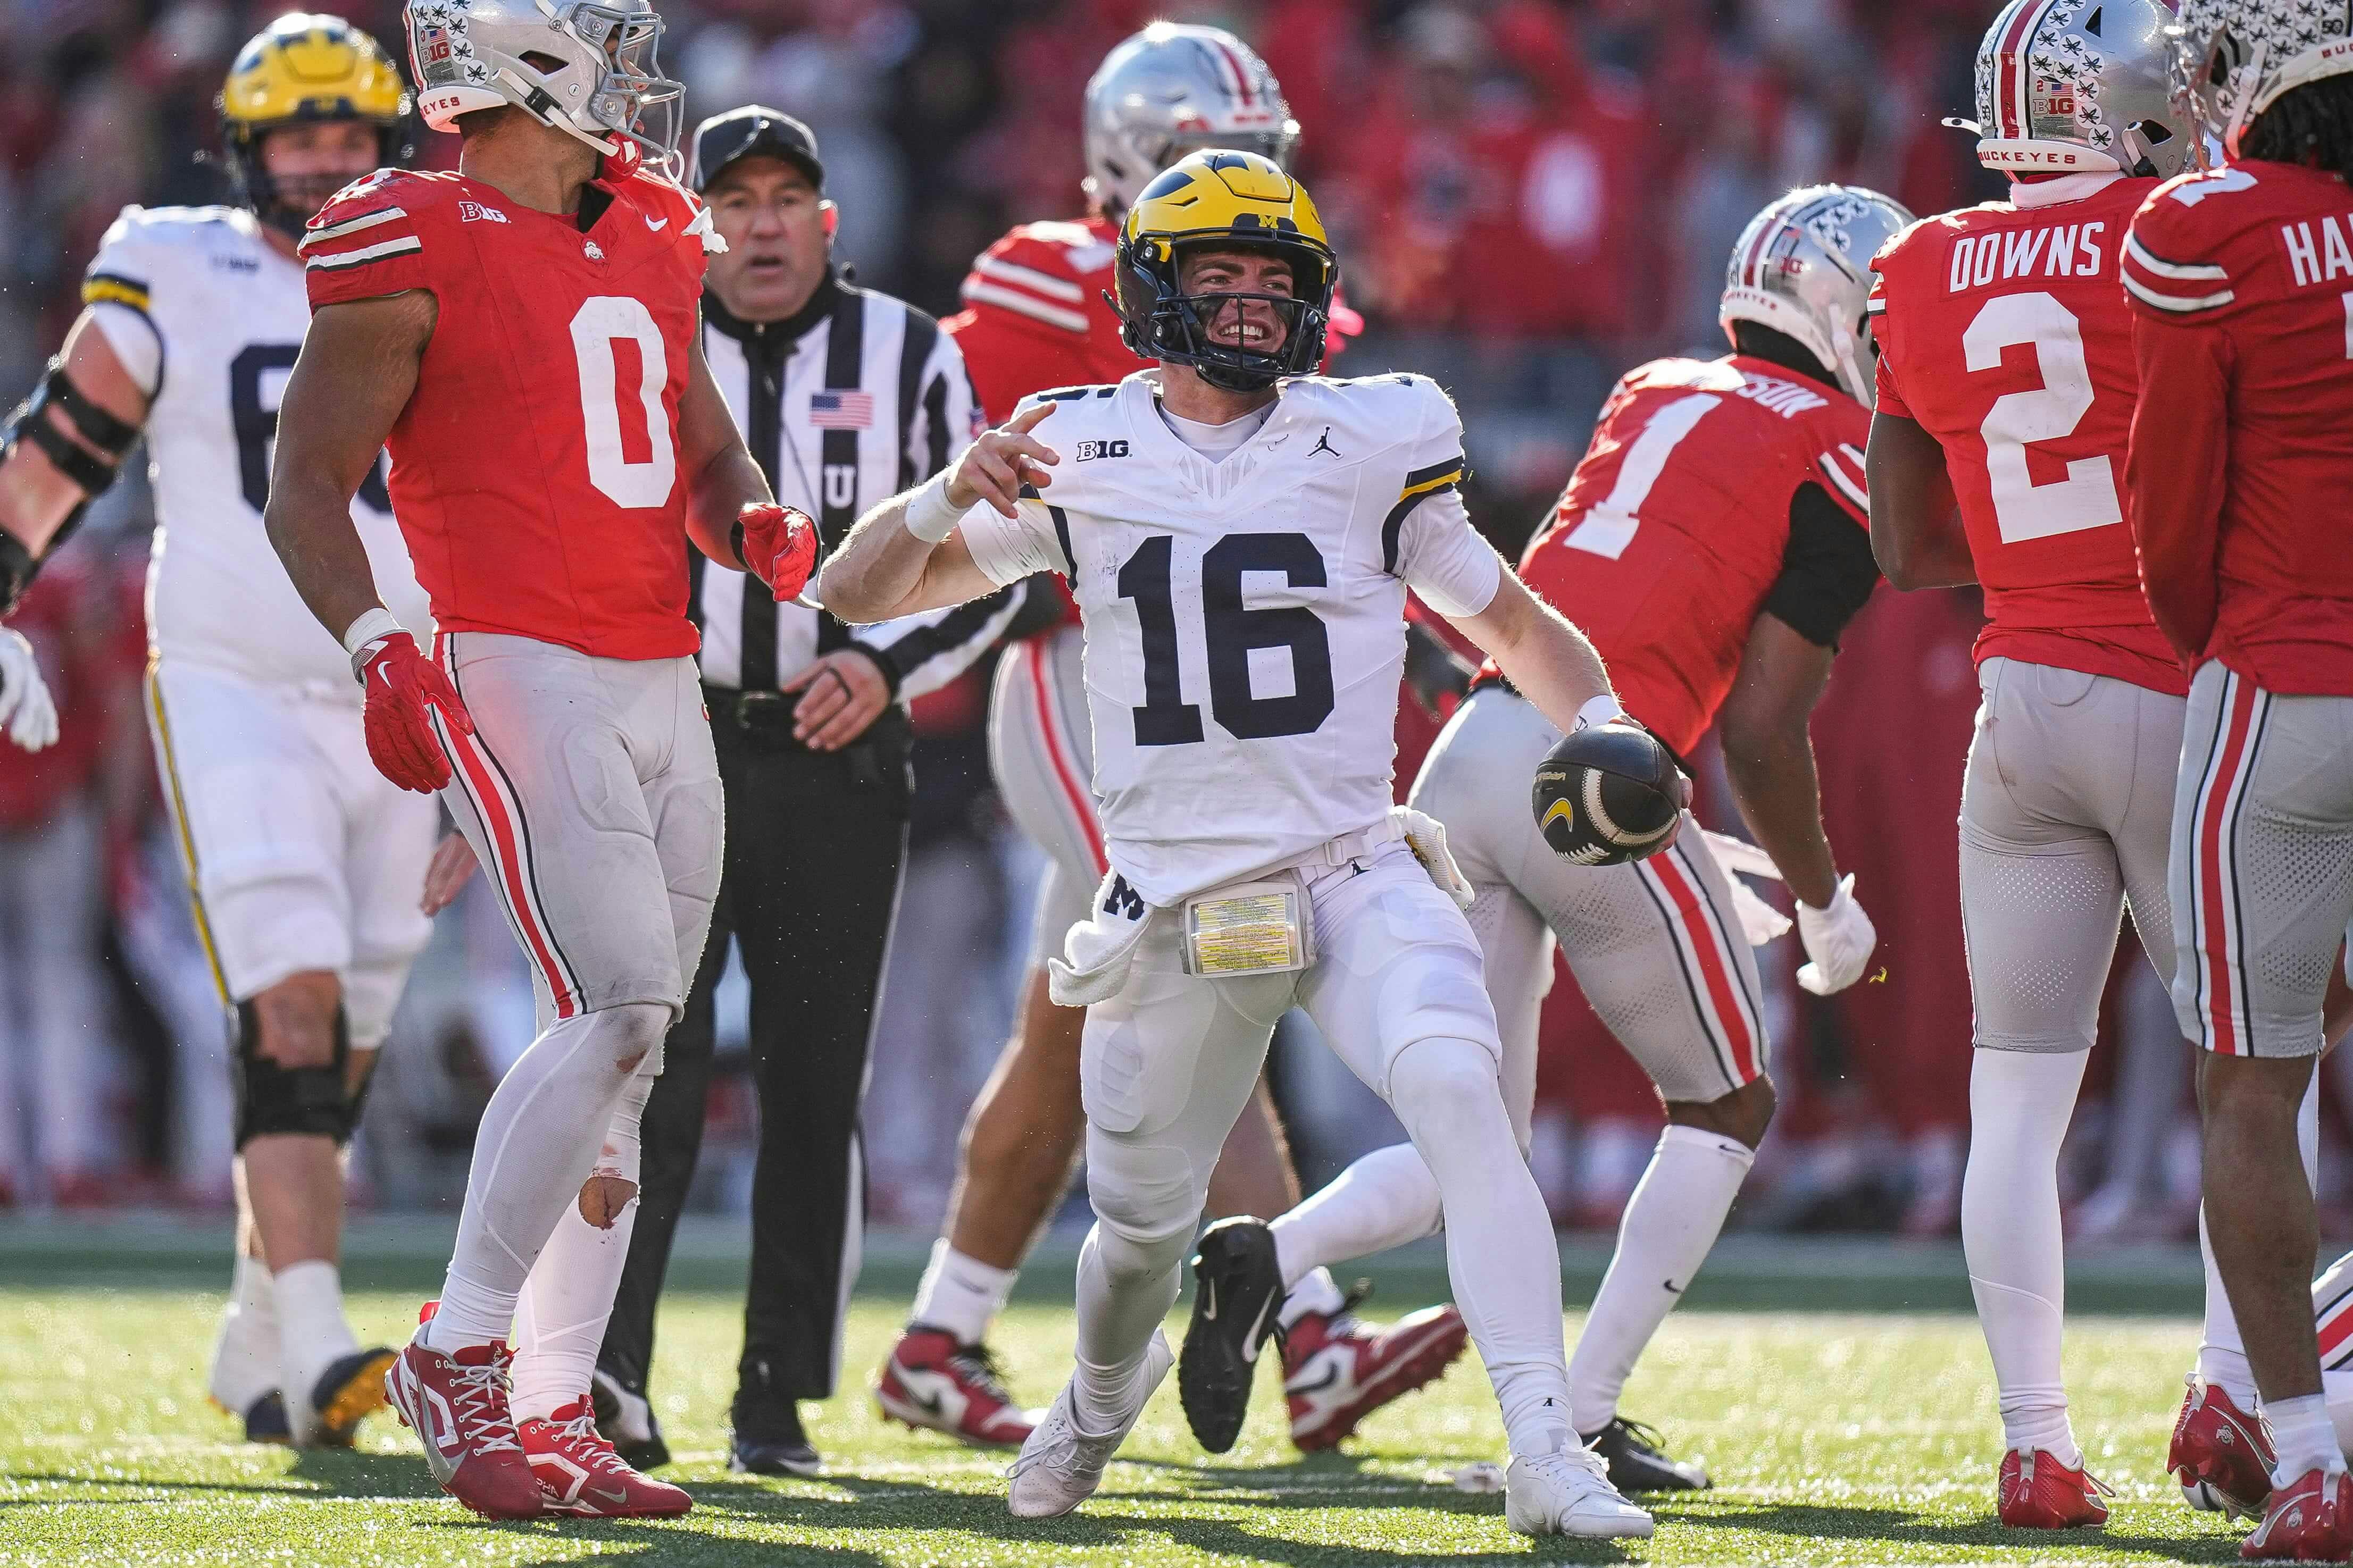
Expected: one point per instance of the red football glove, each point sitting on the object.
(402, 683)
(779, 544)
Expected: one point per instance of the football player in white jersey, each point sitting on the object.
(1240, 537)
(304, 863)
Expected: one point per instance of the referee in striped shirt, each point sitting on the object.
(845, 396)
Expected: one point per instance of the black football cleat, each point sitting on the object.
(1237, 1298)
(1630, 1449)
(265, 1420)
(626, 1420)
(779, 1448)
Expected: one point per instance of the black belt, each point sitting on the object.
(765, 717)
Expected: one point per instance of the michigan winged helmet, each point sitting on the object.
(1227, 201)
(1802, 267)
(304, 69)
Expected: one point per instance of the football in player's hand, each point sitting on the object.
(1606, 796)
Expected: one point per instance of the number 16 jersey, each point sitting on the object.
(534, 469)
(1244, 619)
(2003, 331)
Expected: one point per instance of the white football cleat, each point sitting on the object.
(1568, 1493)
(1061, 1466)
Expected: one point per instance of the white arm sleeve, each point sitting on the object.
(1444, 559)
(1007, 549)
(1428, 537)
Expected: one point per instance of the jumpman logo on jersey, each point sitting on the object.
(1324, 444)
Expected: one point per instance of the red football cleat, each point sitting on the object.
(2036, 1491)
(457, 1405)
(579, 1473)
(2222, 1454)
(1336, 1371)
(2309, 1521)
(932, 1381)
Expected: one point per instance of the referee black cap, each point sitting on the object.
(754, 131)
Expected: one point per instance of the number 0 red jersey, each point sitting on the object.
(534, 470)
(2002, 333)
(2242, 284)
(1676, 527)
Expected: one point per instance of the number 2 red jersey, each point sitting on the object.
(534, 470)
(2242, 287)
(1676, 528)
(2003, 333)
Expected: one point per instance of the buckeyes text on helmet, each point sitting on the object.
(1223, 200)
(1171, 90)
(2233, 58)
(305, 70)
(2071, 87)
(1802, 267)
(588, 68)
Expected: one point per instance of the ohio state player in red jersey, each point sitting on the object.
(2005, 387)
(1037, 317)
(1712, 545)
(2241, 280)
(524, 334)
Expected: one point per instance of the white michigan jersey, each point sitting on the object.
(1244, 618)
(208, 317)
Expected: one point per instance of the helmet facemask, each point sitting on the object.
(1160, 321)
(588, 68)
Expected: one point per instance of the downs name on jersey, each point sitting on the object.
(207, 319)
(1245, 618)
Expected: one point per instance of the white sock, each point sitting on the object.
(1501, 1252)
(539, 1138)
(1386, 1199)
(2019, 1105)
(961, 1294)
(2337, 1388)
(568, 1296)
(1317, 1292)
(2221, 1353)
(1125, 1290)
(311, 1331)
(245, 1357)
(1670, 1224)
(2303, 1436)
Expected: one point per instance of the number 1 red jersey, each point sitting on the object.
(534, 470)
(2242, 284)
(2003, 333)
(1675, 526)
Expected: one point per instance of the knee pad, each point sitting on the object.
(633, 1032)
(1146, 1195)
(305, 1101)
(1440, 1082)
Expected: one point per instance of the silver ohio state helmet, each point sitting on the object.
(2232, 58)
(1803, 269)
(2068, 87)
(1171, 90)
(584, 66)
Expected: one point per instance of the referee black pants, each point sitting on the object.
(815, 843)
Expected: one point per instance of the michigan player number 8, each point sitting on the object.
(1229, 634)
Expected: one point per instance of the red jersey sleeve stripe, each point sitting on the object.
(978, 292)
(349, 225)
(2176, 305)
(2148, 261)
(377, 252)
(1857, 497)
(1030, 277)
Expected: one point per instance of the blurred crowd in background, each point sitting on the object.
(1529, 197)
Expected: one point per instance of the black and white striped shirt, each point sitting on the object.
(856, 397)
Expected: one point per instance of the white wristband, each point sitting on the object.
(1601, 710)
(929, 516)
(376, 622)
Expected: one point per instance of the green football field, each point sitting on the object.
(1838, 1435)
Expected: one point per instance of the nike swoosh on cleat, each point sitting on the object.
(616, 1499)
(1257, 1335)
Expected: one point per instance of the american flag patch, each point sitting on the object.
(841, 410)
